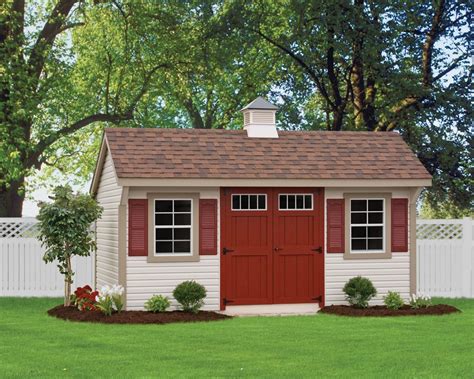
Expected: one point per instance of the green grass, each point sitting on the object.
(33, 344)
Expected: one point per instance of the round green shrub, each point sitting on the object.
(190, 295)
(359, 291)
(157, 303)
(393, 300)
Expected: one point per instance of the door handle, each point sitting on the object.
(277, 248)
(318, 250)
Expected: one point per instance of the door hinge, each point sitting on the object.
(318, 250)
(225, 250)
(318, 298)
(227, 301)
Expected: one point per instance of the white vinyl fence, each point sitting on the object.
(445, 252)
(22, 269)
(444, 260)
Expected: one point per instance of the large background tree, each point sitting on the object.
(69, 68)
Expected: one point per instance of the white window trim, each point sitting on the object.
(173, 227)
(248, 194)
(296, 209)
(383, 225)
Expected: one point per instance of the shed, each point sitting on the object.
(261, 217)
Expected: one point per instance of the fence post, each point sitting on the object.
(467, 257)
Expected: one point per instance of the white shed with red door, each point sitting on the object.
(258, 216)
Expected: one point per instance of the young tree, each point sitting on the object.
(64, 229)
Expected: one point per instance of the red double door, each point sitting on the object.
(272, 245)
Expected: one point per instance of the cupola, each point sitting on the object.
(259, 119)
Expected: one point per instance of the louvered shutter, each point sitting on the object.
(137, 227)
(335, 226)
(399, 225)
(207, 226)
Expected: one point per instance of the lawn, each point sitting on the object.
(33, 344)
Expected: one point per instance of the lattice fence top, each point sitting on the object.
(439, 231)
(18, 228)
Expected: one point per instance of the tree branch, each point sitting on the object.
(451, 67)
(48, 34)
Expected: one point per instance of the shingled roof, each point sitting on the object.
(230, 154)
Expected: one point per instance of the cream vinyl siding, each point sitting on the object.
(145, 279)
(108, 196)
(386, 274)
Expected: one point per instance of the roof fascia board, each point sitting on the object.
(104, 146)
(144, 182)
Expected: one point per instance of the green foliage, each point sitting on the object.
(157, 303)
(64, 229)
(420, 301)
(393, 300)
(445, 210)
(190, 295)
(359, 291)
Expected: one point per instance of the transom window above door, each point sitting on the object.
(173, 224)
(249, 202)
(297, 201)
(367, 231)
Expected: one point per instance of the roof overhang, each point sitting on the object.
(208, 182)
(98, 166)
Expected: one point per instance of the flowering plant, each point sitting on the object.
(110, 299)
(420, 300)
(84, 298)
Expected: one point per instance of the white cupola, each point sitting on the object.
(259, 119)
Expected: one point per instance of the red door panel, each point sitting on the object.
(247, 266)
(298, 251)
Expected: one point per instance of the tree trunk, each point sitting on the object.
(12, 198)
(67, 283)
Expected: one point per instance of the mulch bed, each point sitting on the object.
(382, 311)
(133, 317)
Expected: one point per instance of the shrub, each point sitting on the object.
(420, 301)
(190, 295)
(157, 303)
(110, 299)
(393, 300)
(359, 291)
(84, 298)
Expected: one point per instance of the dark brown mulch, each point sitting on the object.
(133, 317)
(382, 311)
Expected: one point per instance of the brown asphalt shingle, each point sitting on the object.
(230, 154)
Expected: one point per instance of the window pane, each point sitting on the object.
(358, 205)
(308, 200)
(244, 202)
(291, 201)
(163, 219)
(375, 244)
(182, 206)
(164, 206)
(299, 201)
(375, 231)
(283, 202)
(182, 233)
(359, 231)
(375, 205)
(235, 202)
(261, 202)
(182, 219)
(375, 218)
(182, 247)
(359, 244)
(253, 201)
(164, 234)
(358, 218)
(164, 247)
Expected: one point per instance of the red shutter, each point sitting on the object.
(335, 226)
(399, 225)
(208, 226)
(137, 227)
